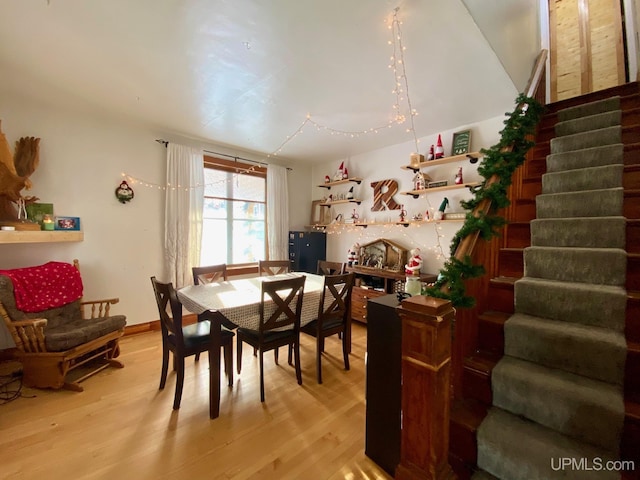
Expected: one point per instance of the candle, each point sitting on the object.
(47, 223)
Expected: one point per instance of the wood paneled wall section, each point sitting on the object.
(587, 50)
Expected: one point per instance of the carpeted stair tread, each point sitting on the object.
(600, 266)
(482, 475)
(588, 157)
(517, 449)
(579, 232)
(587, 410)
(593, 352)
(591, 178)
(572, 302)
(591, 122)
(588, 109)
(587, 203)
(592, 138)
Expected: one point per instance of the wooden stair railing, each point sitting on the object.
(427, 358)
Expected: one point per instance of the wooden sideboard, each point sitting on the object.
(373, 283)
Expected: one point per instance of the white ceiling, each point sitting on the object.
(246, 73)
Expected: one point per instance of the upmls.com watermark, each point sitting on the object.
(595, 464)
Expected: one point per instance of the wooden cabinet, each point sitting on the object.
(373, 283)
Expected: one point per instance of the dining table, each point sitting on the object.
(236, 303)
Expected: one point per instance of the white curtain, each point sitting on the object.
(277, 213)
(184, 202)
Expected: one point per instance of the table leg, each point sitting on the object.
(214, 366)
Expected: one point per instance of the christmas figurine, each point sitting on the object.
(458, 177)
(403, 213)
(354, 215)
(440, 213)
(439, 149)
(431, 153)
(352, 257)
(345, 173)
(350, 194)
(339, 173)
(418, 181)
(414, 264)
(327, 179)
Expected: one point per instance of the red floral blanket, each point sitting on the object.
(39, 288)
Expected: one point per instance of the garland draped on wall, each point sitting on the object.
(499, 164)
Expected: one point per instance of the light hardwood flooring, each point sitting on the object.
(123, 427)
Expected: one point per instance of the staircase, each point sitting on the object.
(556, 372)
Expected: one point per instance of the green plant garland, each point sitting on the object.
(500, 161)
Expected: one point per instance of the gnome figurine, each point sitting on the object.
(458, 177)
(439, 149)
(439, 215)
(431, 155)
(339, 175)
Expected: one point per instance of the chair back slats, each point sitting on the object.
(167, 299)
(273, 267)
(209, 274)
(336, 297)
(283, 316)
(330, 268)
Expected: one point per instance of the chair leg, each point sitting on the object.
(345, 350)
(275, 354)
(261, 377)
(228, 363)
(290, 355)
(296, 348)
(255, 351)
(319, 350)
(239, 355)
(197, 357)
(165, 367)
(179, 364)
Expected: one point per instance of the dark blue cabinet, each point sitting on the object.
(305, 249)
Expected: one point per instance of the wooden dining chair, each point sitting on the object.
(334, 317)
(330, 268)
(185, 340)
(279, 323)
(209, 274)
(273, 267)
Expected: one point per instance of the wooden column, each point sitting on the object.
(426, 401)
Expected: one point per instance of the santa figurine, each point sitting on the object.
(414, 264)
(431, 155)
(439, 149)
(352, 257)
(345, 173)
(458, 177)
(327, 179)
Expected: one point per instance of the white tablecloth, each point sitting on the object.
(239, 300)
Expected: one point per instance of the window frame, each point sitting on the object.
(237, 167)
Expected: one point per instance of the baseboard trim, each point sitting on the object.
(154, 326)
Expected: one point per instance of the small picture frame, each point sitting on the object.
(67, 223)
(37, 211)
(461, 142)
(319, 215)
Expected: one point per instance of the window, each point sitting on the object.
(234, 219)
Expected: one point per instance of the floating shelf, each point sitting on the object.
(40, 236)
(336, 202)
(472, 157)
(417, 193)
(406, 224)
(328, 185)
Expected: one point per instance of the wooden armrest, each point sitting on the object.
(99, 308)
(28, 334)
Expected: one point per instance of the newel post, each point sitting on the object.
(426, 403)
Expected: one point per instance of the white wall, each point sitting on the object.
(385, 164)
(82, 156)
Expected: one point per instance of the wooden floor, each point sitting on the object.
(122, 426)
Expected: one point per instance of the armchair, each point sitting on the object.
(69, 334)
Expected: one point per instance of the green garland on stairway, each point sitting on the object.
(499, 161)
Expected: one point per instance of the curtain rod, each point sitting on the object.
(235, 157)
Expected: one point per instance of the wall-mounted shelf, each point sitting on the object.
(328, 185)
(336, 202)
(40, 236)
(417, 193)
(407, 223)
(472, 157)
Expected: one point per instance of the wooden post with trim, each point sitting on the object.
(426, 401)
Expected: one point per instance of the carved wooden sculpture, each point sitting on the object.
(15, 171)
